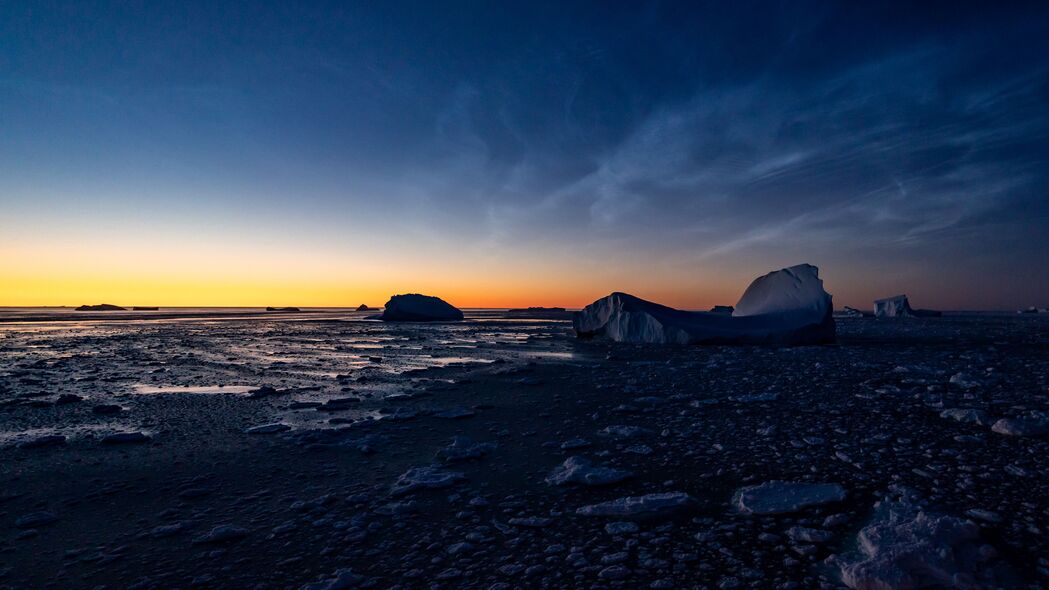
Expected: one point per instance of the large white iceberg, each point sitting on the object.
(419, 308)
(783, 308)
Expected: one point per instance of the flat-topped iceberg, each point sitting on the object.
(783, 308)
(419, 308)
(899, 306)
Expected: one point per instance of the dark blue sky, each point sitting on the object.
(669, 149)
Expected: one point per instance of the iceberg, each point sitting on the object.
(787, 307)
(419, 308)
(899, 307)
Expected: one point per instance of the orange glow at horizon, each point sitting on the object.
(202, 276)
(475, 292)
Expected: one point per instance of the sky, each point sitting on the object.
(521, 153)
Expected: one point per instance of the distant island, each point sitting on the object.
(282, 309)
(100, 307)
(363, 307)
(144, 308)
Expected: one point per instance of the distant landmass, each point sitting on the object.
(100, 307)
(282, 309)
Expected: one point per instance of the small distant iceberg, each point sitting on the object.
(282, 309)
(100, 307)
(900, 307)
(413, 307)
(364, 307)
(787, 307)
(722, 309)
(1033, 309)
(542, 313)
(145, 308)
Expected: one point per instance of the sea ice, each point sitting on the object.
(649, 504)
(462, 449)
(273, 428)
(906, 547)
(967, 415)
(1036, 424)
(580, 470)
(424, 477)
(777, 497)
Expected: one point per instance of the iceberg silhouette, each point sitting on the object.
(786, 307)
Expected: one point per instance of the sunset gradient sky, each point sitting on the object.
(521, 153)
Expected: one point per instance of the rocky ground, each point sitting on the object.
(505, 454)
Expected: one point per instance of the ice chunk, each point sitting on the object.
(342, 579)
(580, 470)
(273, 428)
(1036, 424)
(463, 449)
(647, 505)
(970, 415)
(778, 497)
(425, 477)
(906, 547)
(419, 308)
(785, 307)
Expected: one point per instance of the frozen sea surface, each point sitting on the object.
(279, 451)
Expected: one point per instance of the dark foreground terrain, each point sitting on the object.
(933, 429)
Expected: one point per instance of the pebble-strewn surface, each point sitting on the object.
(323, 454)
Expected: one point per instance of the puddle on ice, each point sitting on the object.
(551, 354)
(142, 388)
(444, 361)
